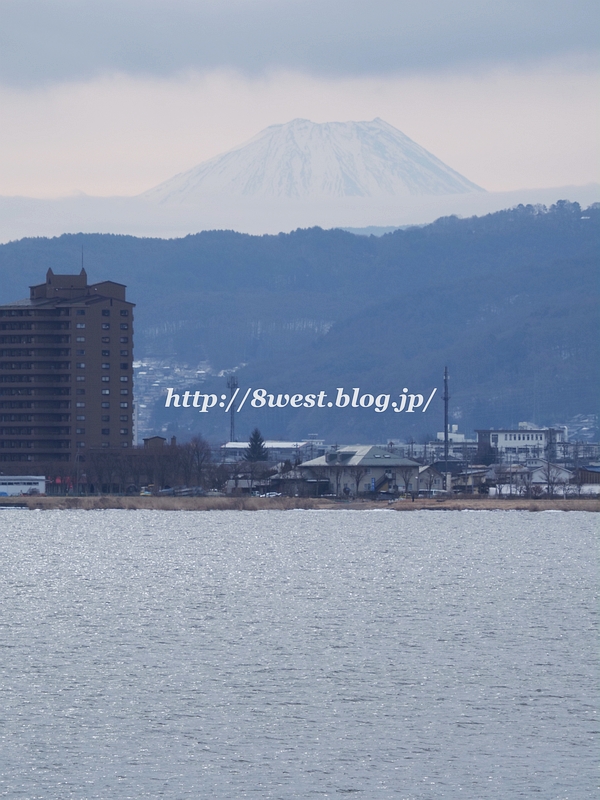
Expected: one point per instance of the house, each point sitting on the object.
(549, 477)
(298, 483)
(472, 480)
(431, 480)
(364, 469)
(541, 477)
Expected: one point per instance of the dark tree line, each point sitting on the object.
(122, 471)
(192, 464)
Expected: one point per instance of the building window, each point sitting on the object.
(124, 418)
(106, 326)
(124, 326)
(80, 378)
(80, 325)
(124, 378)
(105, 312)
(105, 418)
(106, 340)
(124, 431)
(105, 405)
(80, 391)
(124, 352)
(106, 378)
(124, 312)
(80, 444)
(80, 405)
(124, 391)
(80, 365)
(79, 352)
(80, 338)
(81, 418)
(105, 391)
(105, 431)
(124, 444)
(106, 354)
(80, 431)
(124, 365)
(104, 444)
(124, 405)
(80, 312)
(105, 364)
(124, 340)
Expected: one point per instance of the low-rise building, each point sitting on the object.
(518, 444)
(431, 480)
(278, 450)
(15, 485)
(364, 469)
(589, 474)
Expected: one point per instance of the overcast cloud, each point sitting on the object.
(63, 40)
(114, 96)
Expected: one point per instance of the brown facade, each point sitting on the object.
(66, 372)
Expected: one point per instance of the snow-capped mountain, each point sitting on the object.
(303, 160)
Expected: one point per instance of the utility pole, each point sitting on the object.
(232, 385)
(446, 398)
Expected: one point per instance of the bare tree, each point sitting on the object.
(551, 475)
(429, 479)
(578, 480)
(406, 473)
(526, 483)
(217, 475)
(102, 465)
(193, 459)
(357, 472)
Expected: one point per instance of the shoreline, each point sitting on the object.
(136, 503)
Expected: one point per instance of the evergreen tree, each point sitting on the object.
(256, 448)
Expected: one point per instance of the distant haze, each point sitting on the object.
(310, 161)
(295, 175)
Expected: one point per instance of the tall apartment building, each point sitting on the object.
(66, 372)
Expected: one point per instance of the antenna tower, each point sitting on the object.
(446, 398)
(232, 385)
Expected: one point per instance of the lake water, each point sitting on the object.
(298, 654)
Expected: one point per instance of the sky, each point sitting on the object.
(111, 97)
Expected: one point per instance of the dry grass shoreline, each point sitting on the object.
(290, 503)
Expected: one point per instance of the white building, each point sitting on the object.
(519, 444)
(278, 450)
(15, 485)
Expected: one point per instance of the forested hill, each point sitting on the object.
(508, 301)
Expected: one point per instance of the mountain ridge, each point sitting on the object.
(508, 301)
